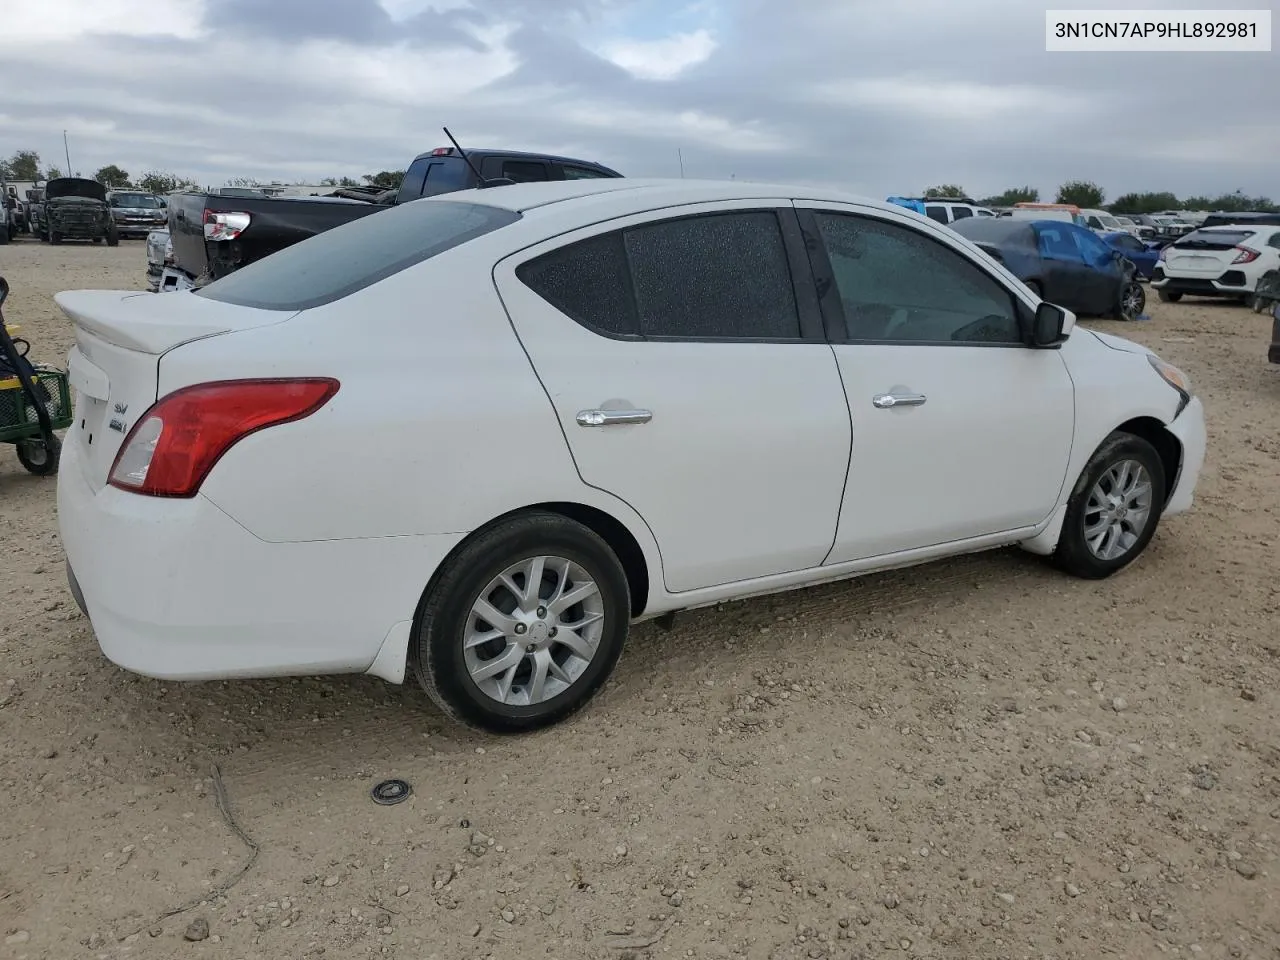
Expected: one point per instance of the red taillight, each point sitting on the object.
(225, 226)
(175, 444)
(442, 152)
(1246, 255)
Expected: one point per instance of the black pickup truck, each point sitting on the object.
(213, 234)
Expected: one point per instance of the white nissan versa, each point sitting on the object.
(472, 438)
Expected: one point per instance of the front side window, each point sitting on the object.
(900, 286)
(708, 277)
(936, 213)
(1092, 250)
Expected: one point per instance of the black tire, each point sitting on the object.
(44, 236)
(113, 236)
(1073, 554)
(1133, 300)
(1167, 296)
(39, 457)
(55, 236)
(4, 235)
(436, 652)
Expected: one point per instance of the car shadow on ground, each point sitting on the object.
(324, 725)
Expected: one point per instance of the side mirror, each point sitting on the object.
(1050, 325)
(4, 290)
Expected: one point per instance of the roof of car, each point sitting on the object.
(648, 193)
(475, 152)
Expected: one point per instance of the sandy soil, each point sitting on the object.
(974, 759)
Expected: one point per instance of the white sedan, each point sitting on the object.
(473, 438)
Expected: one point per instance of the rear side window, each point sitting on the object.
(572, 172)
(338, 262)
(709, 277)
(961, 212)
(936, 213)
(524, 171)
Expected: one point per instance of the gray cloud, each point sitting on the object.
(870, 97)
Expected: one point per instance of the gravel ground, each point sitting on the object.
(978, 758)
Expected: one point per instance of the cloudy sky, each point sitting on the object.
(874, 97)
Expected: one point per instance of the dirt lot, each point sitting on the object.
(974, 759)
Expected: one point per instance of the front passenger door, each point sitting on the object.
(959, 431)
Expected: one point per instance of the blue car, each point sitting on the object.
(1062, 263)
(1144, 255)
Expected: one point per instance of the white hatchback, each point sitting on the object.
(472, 438)
(1223, 261)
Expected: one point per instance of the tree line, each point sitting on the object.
(1088, 195)
(26, 165)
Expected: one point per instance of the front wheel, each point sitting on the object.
(39, 457)
(523, 625)
(1114, 508)
(55, 236)
(1167, 296)
(113, 236)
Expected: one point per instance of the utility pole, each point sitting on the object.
(67, 151)
(680, 157)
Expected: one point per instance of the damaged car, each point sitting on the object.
(136, 213)
(76, 209)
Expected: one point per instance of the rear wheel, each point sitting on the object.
(1133, 300)
(1114, 508)
(523, 625)
(55, 236)
(1167, 296)
(39, 457)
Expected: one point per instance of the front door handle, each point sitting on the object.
(609, 418)
(887, 401)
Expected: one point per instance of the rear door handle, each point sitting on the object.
(887, 401)
(609, 418)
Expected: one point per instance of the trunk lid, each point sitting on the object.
(114, 366)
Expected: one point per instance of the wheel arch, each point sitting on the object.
(616, 534)
(1167, 445)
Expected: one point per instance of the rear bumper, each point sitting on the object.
(176, 589)
(1190, 430)
(1225, 285)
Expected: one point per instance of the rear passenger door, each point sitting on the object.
(691, 376)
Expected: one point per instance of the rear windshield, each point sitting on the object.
(432, 176)
(338, 262)
(1215, 238)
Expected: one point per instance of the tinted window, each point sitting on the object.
(589, 281)
(1095, 223)
(936, 213)
(411, 185)
(985, 213)
(338, 262)
(722, 275)
(524, 171)
(446, 176)
(718, 276)
(582, 173)
(961, 212)
(898, 285)
(1274, 241)
(1128, 243)
(1215, 238)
